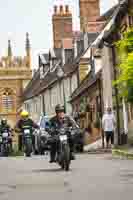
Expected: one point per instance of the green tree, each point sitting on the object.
(125, 68)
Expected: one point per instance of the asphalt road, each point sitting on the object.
(95, 177)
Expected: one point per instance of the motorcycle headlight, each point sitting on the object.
(62, 131)
(42, 134)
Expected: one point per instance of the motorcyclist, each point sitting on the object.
(6, 127)
(26, 121)
(58, 121)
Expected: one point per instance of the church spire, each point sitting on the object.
(9, 54)
(27, 48)
(9, 49)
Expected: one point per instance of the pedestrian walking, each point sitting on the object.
(108, 126)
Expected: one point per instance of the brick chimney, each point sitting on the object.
(89, 12)
(62, 24)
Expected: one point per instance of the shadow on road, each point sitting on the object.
(47, 170)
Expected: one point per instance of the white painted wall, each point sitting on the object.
(107, 67)
(52, 97)
(98, 64)
(74, 82)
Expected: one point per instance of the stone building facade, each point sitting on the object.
(121, 20)
(15, 73)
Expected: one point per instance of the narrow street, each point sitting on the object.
(91, 177)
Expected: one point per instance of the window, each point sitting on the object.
(7, 100)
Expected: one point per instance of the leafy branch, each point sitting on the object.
(125, 67)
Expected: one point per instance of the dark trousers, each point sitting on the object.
(20, 142)
(109, 137)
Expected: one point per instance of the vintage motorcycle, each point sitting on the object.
(5, 143)
(27, 141)
(63, 148)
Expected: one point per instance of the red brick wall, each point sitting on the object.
(62, 25)
(89, 11)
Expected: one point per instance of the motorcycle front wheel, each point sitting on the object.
(4, 150)
(66, 160)
(28, 147)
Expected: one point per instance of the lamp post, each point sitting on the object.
(61, 75)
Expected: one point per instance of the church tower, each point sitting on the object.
(15, 73)
(89, 12)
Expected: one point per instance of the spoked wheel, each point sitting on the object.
(28, 147)
(4, 150)
(66, 163)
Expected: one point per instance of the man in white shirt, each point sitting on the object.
(108, 125)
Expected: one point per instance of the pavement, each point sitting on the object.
(96, 177)
(96, 148)
(122, 152)
(93, 146)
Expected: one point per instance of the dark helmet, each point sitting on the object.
(59, 108)
(4, 121)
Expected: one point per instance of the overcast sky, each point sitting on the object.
(34, 16)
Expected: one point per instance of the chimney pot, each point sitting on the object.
(66, 8)
(61, 9)
(55, 9)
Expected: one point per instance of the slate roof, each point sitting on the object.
(44, 57)
(85, 85)
(92, 37)
(36, 86)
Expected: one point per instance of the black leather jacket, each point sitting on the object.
(5, 128)
(26, 123)
(66, 122)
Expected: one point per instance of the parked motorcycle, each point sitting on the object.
(27, 138)
(5, 143)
